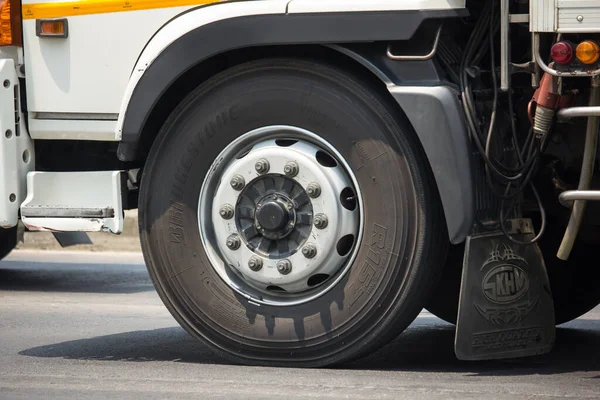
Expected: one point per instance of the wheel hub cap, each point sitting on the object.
(275, 217)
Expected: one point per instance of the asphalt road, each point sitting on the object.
(90, 326)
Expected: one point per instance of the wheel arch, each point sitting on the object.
(168, 79)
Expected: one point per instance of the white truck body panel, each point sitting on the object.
(564, 16)
(16, 147)
(569, 12)
(542, 15)
(88, 71)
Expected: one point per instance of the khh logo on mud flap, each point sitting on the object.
(505, 283)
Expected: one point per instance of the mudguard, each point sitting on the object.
(433, 111)
(437, 118)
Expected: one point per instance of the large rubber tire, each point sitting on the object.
(404, 240)
(574, 283)
(8, 241)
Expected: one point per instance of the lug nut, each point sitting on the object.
(226, 211)
(291, 169)
(321, 221)
(284, 267)
(255, 264)
(313, 190)
(262, 166)
(233, 242)
(309, 251)
(238, 182)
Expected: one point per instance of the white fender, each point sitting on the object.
(222, 11)
(186, 23)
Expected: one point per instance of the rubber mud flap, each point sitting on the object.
(505, 308)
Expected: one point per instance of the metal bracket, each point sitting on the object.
(425, 57)
(68, 212)
(585, 177)
(574, 112)
(567, 197)
(504, 46)
(518, 18)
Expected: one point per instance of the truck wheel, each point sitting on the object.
(287, 216)
(8, 241)
(573, 282)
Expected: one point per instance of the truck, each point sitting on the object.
(311, 174)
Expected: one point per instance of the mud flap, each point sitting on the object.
(506, 308)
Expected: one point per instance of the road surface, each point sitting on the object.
(90, 326)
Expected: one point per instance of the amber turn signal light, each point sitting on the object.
(54, 28)
(10, 23)
(6, 38)
(588, 52)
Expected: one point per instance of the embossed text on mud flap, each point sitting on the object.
(507, 339)
(506, 308)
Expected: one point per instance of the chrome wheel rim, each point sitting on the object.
(280, 216)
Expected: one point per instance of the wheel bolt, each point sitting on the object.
(238, 182)
(291, 169)
(313, 190)
(309, 251)
(262, 166)
(255, 264)
(284, 267)
(321, 221)
(226, 211)
(233, 242)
